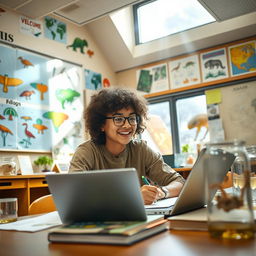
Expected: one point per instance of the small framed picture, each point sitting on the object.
(60, 167)
(25, 165)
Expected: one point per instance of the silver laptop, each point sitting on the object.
(102, 195)
(192, 195)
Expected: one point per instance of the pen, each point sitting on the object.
(144, 179)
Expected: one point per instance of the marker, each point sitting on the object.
(144, 179)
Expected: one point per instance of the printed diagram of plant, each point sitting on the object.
(11, 112)
(61, 27)
(28, 135)
(66, 95)
(8, 81)
(27, 94)
(57, 118)
(26, 63)
(39, 126)
(42, 88)
(4, 133)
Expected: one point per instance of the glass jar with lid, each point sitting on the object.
(229, 202)
(7, 166)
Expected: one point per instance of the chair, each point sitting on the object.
(42, 204)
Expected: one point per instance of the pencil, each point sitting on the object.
(144, 179)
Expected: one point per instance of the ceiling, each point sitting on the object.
(236, 20)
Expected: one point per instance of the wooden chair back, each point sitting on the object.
(42, 204)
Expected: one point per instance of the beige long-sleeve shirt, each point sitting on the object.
(90, 156)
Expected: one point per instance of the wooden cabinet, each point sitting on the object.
(26, 188)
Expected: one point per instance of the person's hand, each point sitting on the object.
(151, 194)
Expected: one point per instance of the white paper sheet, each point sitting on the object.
(162, 203)
(33, 224)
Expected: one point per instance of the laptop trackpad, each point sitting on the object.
(165, 203)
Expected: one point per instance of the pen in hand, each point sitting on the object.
(144, 179)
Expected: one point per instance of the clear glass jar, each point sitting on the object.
(251, 150)
(7, 166)
(228, 191)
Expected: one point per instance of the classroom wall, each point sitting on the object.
(10, 33)
(9, 23)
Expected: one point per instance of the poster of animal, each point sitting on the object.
(242, 58)
(40, 101)
(93, 80)
(214, 65)
(184, 71)
(55, 30)
(153, 79)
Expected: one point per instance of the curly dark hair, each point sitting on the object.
(108, 101)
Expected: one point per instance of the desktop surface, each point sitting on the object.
(182, 243)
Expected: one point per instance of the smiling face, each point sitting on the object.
(117, 137)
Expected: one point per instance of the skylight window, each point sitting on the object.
(160, 18)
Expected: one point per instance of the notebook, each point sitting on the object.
(192, 195)
(101, 195)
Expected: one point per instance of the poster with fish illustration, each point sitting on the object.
(214, 65)
(242, 58)
(41, 101)
(184, 72)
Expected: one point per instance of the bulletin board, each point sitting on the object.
(41, 101)
(237, 109)
(238, 112)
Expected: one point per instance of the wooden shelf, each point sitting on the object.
(26, 188)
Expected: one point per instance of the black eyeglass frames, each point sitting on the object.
(120, 120)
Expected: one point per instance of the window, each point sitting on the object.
(192, 122)
(158, 132)
(160, 18)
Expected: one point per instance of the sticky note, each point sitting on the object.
(213, 96)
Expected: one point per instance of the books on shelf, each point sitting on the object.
(110, 232)
(193, 220)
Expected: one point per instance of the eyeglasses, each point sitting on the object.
(120, 120)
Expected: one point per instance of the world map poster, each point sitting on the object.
(40, 101)
(242, 58)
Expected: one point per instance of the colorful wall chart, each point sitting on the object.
(153, 79)
(214, 65)
(242, 58)
(40, 101)
(184, 71)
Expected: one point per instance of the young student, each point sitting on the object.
(113, 118)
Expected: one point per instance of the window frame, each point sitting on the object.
(174, 96)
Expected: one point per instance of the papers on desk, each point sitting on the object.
(34, 223)
(168, 202)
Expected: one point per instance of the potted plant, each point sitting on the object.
(44, 161)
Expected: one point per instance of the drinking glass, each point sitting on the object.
(229, 202)
(251, 150)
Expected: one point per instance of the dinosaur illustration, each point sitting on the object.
(25, 62)
(78, 43)
(213, 63)
(199, 121)
(176, 68)
(189, 64)
(27, 94)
